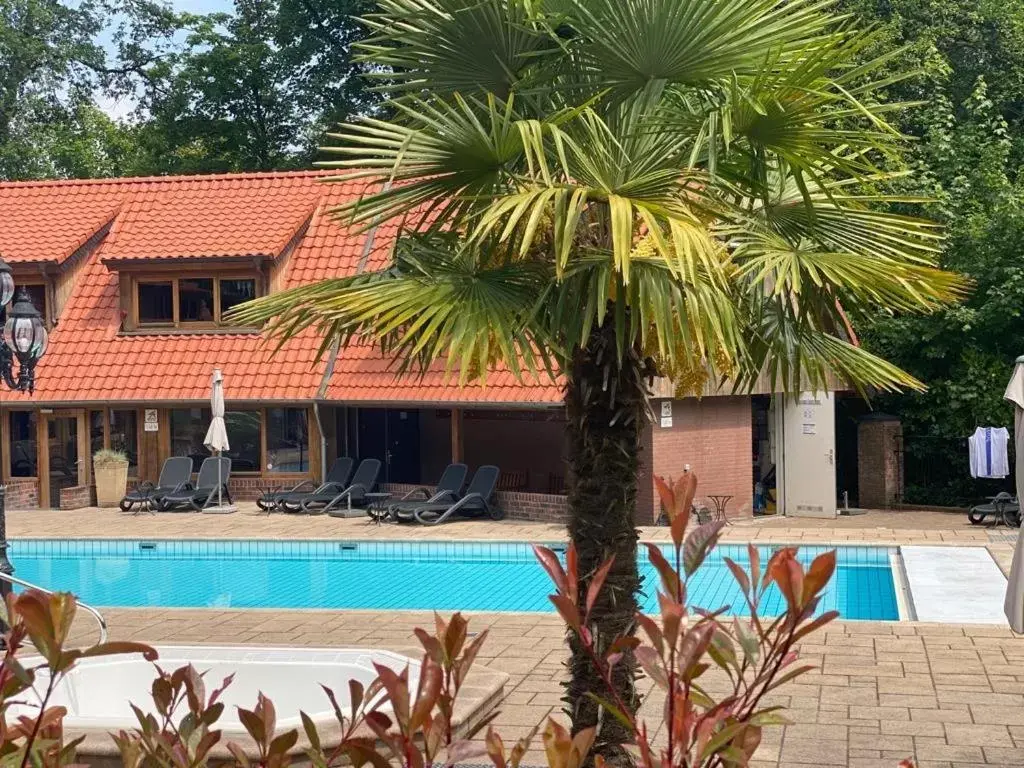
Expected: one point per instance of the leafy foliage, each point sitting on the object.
(104, 88)
(968, 154)
(689, 185)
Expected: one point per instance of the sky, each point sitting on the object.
(122, 107)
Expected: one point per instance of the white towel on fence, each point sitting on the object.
(988, 452)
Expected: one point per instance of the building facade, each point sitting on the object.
(135, 278)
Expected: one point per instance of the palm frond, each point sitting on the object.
(442, 300)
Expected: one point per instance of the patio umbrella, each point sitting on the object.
(1014, 603)
(217, 435)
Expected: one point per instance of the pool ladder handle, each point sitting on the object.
(89, 609)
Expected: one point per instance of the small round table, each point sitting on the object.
(720, 501)
(377, 506)
(267, 493)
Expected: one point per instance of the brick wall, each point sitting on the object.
(713, 436)
(879, 473)
(22, 494)
(247, 488)
(517, 505)
(75, 497)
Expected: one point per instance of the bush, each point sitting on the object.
(106, 456)
(677, 648)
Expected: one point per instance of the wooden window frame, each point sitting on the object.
(174, 281)
(310, 421)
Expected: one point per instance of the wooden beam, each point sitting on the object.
(43, 458)
(457, 436)
(84, 459)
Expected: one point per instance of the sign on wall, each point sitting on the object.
(666, 413)
(150, 423)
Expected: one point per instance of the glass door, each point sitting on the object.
(62, 449)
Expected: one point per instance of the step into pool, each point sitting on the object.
(446, 576)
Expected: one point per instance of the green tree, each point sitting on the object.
(968, 152)
(615, 189)
(251, 90)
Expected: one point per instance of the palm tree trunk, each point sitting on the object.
(606, 407)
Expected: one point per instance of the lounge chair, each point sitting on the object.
(204, 492)
(1003, 507)
(363, 482)
(475, 502)
(174, 476)
(292, 498)
(448, 489)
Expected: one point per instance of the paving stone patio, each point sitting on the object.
(948, 695)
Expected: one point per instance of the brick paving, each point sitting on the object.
(951, 696)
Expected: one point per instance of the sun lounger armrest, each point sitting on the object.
(298, 486)
(441, 496)
(469, 497)
(413, 492)
(357, 489)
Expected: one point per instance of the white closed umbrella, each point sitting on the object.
(1014, 603)
(216, 439)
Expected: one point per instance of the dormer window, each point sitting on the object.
(189, 301)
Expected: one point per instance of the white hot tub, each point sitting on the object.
(98, 692)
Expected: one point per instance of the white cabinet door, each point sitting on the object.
(808, 455)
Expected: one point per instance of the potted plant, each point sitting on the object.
(110, 469)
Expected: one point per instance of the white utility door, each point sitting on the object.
(808, 455)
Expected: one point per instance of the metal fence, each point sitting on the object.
(936, 471)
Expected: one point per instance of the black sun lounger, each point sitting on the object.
(363, 482)
(205, 491)
(175, 476)
(291, 499)
(448, 489)
(475, 502)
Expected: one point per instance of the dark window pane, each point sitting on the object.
(195, 300)
(23, 443)
(95, 432)
(287, 440)
(38, 294)
(156, 303)
(124, 436)
(244, 437)
(188, 428)
(234, 292)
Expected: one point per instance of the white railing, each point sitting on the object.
(88, 608)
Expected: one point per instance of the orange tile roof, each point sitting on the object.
(45, 222)
(89, 360)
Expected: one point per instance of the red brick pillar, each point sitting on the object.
(879, 461)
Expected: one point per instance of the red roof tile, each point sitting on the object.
(89, 360)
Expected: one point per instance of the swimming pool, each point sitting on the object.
(446, 576)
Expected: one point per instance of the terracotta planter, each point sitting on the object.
(111, 483)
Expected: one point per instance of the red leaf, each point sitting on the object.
(669, 578)
(567, 609)
(572, 570)
(597, 582)
(549, 561)
(739, 574)
(818, 575)
(698, 544)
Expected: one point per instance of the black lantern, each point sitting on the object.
(24, 334)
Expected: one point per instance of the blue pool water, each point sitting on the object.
(446, 576)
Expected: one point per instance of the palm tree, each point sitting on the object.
(609, 190)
